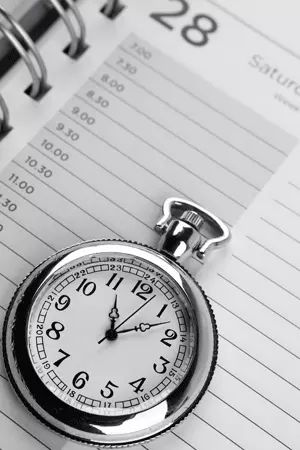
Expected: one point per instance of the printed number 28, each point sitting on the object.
(197, 32)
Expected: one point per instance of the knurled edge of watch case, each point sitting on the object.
(83, 441)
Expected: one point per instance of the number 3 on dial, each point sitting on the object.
(195, 33)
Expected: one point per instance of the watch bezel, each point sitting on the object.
(82, 426)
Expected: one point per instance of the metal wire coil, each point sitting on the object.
(111, 7)
(38, 69)
(4, 120)
(77, 43)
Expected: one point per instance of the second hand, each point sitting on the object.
(129, 317)
(135, 312)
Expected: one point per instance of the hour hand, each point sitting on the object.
(142, 327)
(114, 314)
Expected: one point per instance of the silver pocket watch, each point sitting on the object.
(112, 343)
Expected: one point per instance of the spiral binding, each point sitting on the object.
(111, 8)
(77, 44)
(39, 80)
(31, 56)
(4, 121)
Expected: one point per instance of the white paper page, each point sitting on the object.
(277, 21)
(116, 161)
(237, 58)
(131, 204)
(255, 296)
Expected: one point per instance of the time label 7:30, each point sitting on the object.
(196, 32)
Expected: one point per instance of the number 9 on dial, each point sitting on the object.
(112, 343)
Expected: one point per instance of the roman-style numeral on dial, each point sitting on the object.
(60, 360)
(161, 367)
(114, 282)
(162, 311)
(108, 392)
(171, 335)
(87, 287)
(137, 384)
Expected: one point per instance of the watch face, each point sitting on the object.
(111, 334)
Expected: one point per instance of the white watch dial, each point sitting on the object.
(112, 335)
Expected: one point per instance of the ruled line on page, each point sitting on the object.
(4, 378)
(253, 28)
(198, 124)
(287, 207)
(273, 253)
(63, 196)
(93, 161)
(16, 253)
(49, 249)
(42, 211)
(220, 432)
(191, 172)
(280, 230)
(74, 173)
(265, 276)
(159, 151)
(258, 361)
(254, 328)
(249, 420)
(10, 281)
(111, 173)
(174, 161)
(24, 429)
(258, 393)
(159, 178)
(149, 139)
(136, 163)
(28, 231)
(139, 111)
(81, 180)
(291, 183)
(184, 441)
(257, 300)
(201, 100)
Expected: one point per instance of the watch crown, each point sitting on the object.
(192, 218)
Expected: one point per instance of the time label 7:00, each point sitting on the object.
(196, 32)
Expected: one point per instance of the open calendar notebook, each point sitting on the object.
(124, 127)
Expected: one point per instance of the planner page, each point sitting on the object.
(253, 402)
(143, 127)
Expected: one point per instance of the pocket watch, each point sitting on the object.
(110, 342)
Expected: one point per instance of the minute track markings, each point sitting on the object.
(140, 283)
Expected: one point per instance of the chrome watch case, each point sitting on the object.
(179, 228)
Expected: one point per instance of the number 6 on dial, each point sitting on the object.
(112, 343)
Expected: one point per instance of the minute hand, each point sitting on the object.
(131, 315)
(143, 327)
